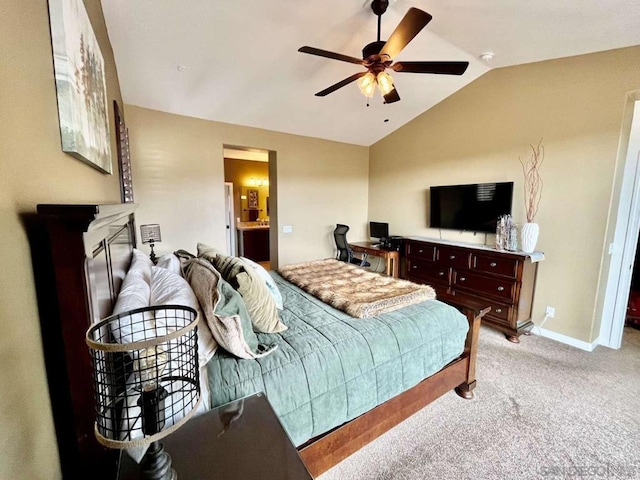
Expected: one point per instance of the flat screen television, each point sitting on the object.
(474, 207)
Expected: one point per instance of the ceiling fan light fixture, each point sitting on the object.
(367, 84)
(385, 83)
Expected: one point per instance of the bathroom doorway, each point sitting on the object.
(247, 174)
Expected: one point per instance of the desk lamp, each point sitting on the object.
(146, 382)
(151, 234)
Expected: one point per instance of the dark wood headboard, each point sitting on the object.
(81, 254)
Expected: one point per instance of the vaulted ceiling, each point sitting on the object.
(237, 61)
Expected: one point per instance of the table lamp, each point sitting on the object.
(146, 380)
(151, 234)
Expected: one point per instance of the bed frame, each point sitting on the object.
(81, 254)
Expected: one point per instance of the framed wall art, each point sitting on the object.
(253, 198)
(81, 85)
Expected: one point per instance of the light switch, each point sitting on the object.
(287, 229)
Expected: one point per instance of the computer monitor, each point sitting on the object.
(379, 230)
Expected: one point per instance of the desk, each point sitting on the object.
(242, 440)
(391, 256)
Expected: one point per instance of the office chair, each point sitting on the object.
(345, 254)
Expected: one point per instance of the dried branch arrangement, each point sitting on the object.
(532, 180)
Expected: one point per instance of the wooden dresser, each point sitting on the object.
(477, 277)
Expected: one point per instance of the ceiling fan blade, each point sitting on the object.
(414, 21)
(332, 55)
(444, 68)
(392, 96)
(340, 84)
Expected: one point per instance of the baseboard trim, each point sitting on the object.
(558, 337)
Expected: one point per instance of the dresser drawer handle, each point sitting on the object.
(500, 288)
(441, 273)
(414, 267)
(498, 310)
(493, 264)
(420, 251)
(452, 257)
(462, 279)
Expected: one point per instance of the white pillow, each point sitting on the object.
(168, 288)
(135, 292)
(170, 262)
(268, 280)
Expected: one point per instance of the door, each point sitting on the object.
(623, 249)
(229, 218)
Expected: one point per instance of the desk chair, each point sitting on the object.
(344, 252)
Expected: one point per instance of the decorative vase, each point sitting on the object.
(529, 236)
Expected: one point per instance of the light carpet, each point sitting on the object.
(542, 410)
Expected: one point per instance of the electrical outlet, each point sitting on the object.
(550, 312)
(287, 229)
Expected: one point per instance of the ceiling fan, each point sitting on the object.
(378, 56)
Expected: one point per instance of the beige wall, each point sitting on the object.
(576, 105)
(33, 170)
(178, 177)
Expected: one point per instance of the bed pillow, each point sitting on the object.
(135, 292)
(260, 303)
(208, 252)
(140, 259)
(168, 288)
(224, 310)
(268, 280)
(229, 267)
(171, 262)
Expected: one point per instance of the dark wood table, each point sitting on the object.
(242, 440)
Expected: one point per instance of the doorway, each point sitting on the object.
(247, 172)
(627, 227)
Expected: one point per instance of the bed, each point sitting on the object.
(347, 380)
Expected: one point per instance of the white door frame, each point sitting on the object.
(230, 222)
(623, 249)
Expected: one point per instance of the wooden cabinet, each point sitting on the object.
(477, 277)
(253, 243)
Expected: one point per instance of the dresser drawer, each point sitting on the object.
(420, 250)
(452, 257)
(484, 285)
(500, 266)
(499, 313)
(427, 271)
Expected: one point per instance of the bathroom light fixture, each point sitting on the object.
(258, 182)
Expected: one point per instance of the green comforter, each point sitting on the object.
(330, 368)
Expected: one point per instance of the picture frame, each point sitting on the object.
(252, 198)
(80, 84)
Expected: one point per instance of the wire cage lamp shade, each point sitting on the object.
(145, 373)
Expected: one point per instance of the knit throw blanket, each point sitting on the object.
(354, 290)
